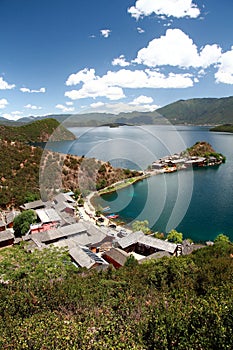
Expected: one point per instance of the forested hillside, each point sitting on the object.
(199, 111)
(38, 131)
(223, 128)
(26, 172)
(179, 303)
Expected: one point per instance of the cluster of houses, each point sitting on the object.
(89, 245)
(179, 161)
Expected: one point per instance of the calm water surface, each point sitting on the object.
(198, 203)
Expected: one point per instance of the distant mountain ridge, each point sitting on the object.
(196, 111)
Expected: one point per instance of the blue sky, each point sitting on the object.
(75, 56)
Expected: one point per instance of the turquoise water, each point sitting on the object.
(198, 203)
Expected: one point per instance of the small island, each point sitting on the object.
(199, 155)
(223, 128)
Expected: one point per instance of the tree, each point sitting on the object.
(131, 261)
(175, 237)
(23, 221)
(222, 238)
(141, 226)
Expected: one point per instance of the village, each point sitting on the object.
(92, 241)
(183, 161)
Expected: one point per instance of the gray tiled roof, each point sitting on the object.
(33, 205)
(132, 238)
(11, 215)
(85, 258)
(48, 215)
(118, 255)
(5, 235)
(139, 237)
(158, 244)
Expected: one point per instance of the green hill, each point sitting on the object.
(37, 131)
(196, 111)
(182, 303)
(199, 111)
(223, 128)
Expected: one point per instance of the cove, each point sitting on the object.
(199, 204)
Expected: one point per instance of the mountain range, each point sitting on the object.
(196, 111)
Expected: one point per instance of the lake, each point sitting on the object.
(197, 203)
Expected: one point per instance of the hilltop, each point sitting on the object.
(196, 111)
(37, 131)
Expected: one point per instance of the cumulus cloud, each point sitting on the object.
(12, 116)
(4, 85)
(176, 48)
(225, 69)
(29, 106)
(64, 108)
(112, 83)
(142, 100)
(120, 107)
(69, 103)
(120, 61)
(105, 32)
(140, 30)
(168, 8)
(97, 104)
(83, 76)
(41, 90)
(3, 103)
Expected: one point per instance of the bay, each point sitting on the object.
(197, 203)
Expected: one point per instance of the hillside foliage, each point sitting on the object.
(223, 128)
(38, 131)
(27, 172)
(172, 303)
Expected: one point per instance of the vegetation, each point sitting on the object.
(199, 111)
(178, 303)
(223, 128)
(141, 226)
(175, 237)
(38, 131)
(28, 172)
(204, 149)
(222, 238)
(23, 221)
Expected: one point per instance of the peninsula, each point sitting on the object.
(199, 155)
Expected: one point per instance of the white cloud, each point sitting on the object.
(116, 108)
(120, 61)
(12, 116)
(69, 103)
(105, 32)
(146, 79)
(83, 76)
(176, 48)
(29, 106)
(142, 100)
(5, 86)
(64, 108)
(112, 83)
(3, 103)
(97, 104)
(168, 8)
(225, 70)
(140, 30)
(96, 89)
(16, 112)
(41, 90)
